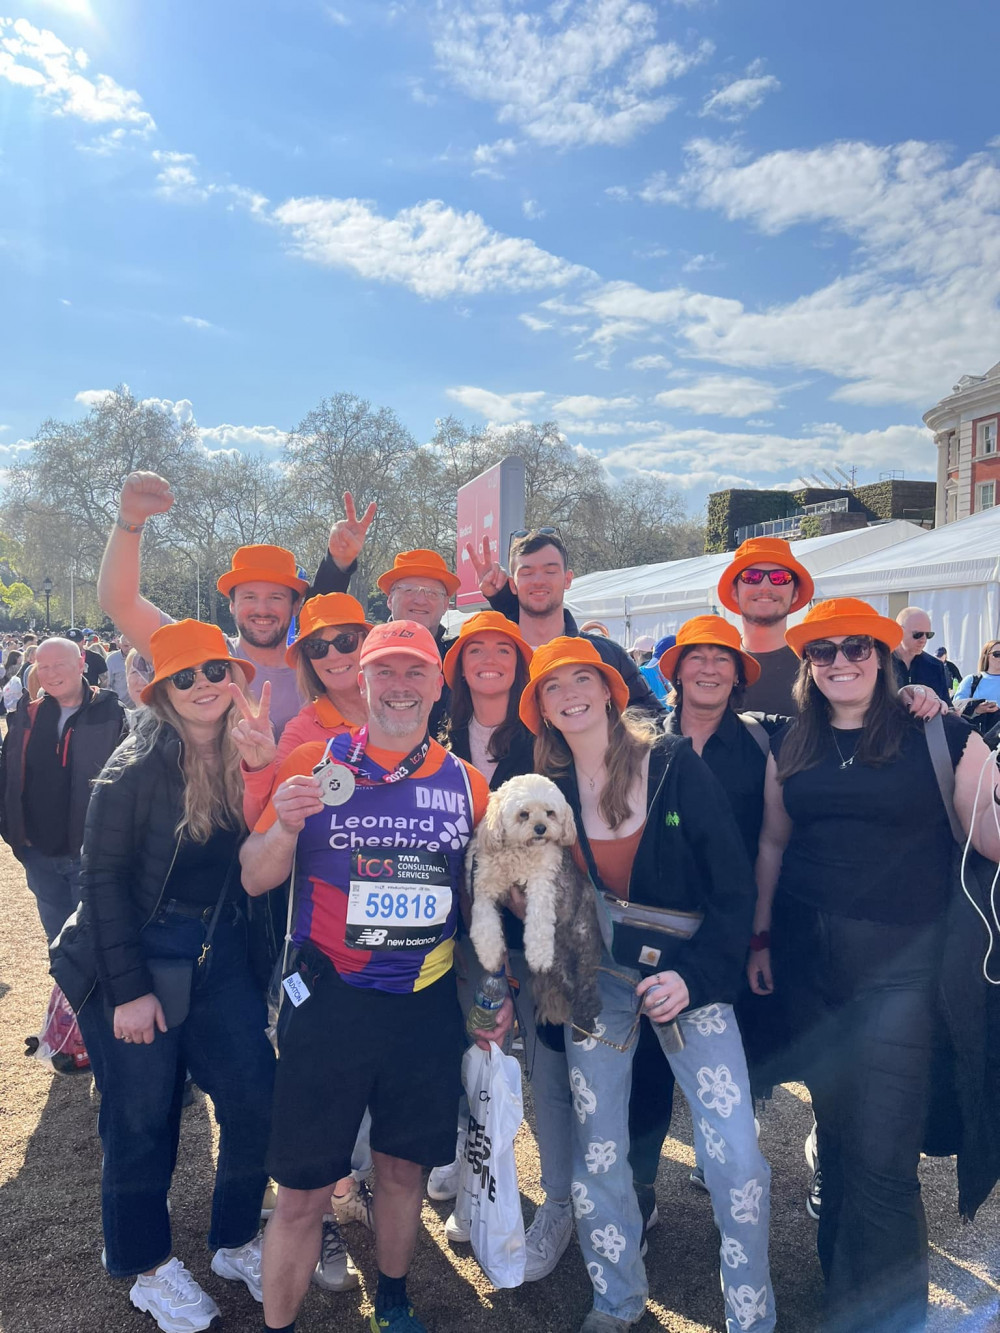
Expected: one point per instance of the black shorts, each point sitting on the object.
(345, 1048)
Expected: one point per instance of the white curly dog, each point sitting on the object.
(523, 841)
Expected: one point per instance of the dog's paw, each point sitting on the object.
(540, 957)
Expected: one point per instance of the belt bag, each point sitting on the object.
(639, 933)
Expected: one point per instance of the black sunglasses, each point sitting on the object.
(823, 653)
(538, 532)
(214, 672)
(344, 642)
(922, 633)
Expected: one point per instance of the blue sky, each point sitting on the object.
(723, 241)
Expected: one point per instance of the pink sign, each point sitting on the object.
(478, 517)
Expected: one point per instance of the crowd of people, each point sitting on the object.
(231, 839)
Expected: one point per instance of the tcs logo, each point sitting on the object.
(372, 867)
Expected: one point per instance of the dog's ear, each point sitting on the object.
(567, 826)
(489, 834)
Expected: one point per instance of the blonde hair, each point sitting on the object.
(630, 736)
(984, 656)
(213, 793)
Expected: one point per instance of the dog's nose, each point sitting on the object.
(541, 830)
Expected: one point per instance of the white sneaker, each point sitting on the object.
(546, 1239)
(442, 1183)
(354, 1206)
(458, 1230)
(241, 1264)
(174, 1299)
(335, 1270)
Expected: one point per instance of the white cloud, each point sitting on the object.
(419, 93)
(532, 210)
(194, 322)
(587, 405)
(535, 324)
(618, 193)
(487, 155)
(92, 397)
(702, 263)
(179, 181)
(247, 439)
(337, 16)
(430, 248)
(653, 362)
(722, 396)
(35, 58)
(741, 96)
(580, 72)
(502, 408)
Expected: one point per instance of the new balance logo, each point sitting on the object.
(371, 939)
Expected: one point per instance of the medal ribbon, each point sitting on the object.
(356, 753)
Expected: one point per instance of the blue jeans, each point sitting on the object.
(55, 882)
(711, 1072)
(223, 1044)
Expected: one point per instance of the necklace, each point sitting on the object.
(592, 781)
(844, 763)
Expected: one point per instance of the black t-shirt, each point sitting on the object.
(96, 667)
(873, 844)
(200, 867)
(773, 692)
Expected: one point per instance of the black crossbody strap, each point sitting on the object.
(599, 887)
(944, 772)
(206, 947)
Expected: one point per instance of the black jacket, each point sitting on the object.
(128, 850)
(691, 858)
(520, 758)
(639, 694)
(91, 735)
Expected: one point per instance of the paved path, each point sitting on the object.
(51, 1280)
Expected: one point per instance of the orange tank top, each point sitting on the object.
(613, 858)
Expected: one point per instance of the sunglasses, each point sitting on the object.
(921, 633)
(823, 653)
(214, 672)
(778, 578)
(995, 652)
(539, 532)
(344, 642)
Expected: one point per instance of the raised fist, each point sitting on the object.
(143, 495)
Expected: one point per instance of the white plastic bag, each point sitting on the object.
(488, 1196)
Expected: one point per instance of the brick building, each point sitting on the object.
(965, 431)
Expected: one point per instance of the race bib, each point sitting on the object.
(398, 900)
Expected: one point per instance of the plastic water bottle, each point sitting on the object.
(490, 995)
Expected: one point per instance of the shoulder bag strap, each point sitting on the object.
(598, 885)
(758, 731)
(206, 947)
(944, 772)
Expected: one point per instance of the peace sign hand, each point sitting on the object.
(347, 536)
(492, 577)
(252, 734)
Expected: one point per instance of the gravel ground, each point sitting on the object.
(51, 1280)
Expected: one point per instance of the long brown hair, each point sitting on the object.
(808, 739)
(984, 656)
(630, 736)
(460, 711)
(213, 793)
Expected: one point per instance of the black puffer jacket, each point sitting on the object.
(129, 847)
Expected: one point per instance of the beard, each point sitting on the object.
(554, 603)
(400, 724)
(263, 638)
(762, 617)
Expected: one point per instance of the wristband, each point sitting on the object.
(128, 527)
(758, 943)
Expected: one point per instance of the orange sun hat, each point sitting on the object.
(262, 564)
(420, 564)
(772, 551)
(561, 652)
(712, 630)
(843, 615)
(189, 643)
(323, 612)
(481, 623)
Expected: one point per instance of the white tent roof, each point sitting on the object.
(657, 599)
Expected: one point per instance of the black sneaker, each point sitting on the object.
(814, 1195)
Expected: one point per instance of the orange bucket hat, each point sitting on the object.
(262, 564)
(189, 643)
(481, 623)
(772, 551)
(714, 630)
(562, 652)
(843, 615)
(331, 608)
(420, 564)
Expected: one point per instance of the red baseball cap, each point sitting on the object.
(401, 636)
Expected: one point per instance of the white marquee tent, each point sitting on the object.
(952, 572)
(657, 599)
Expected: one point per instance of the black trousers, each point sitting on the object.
(861, 999)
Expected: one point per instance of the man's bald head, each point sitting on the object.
(60, 665)
(914, 622)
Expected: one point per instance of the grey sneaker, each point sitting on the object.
(335, 1270)
(697, 1178)
(355, 1206)
(241, 1264)
(599, 1322)
(174, 1299)
(546, 1239)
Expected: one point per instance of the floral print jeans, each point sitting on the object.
(711, 1072)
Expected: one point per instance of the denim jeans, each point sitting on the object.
(711, 1072)
(223, 1044)
(861, 999)
(55, 882)
(550, 1093)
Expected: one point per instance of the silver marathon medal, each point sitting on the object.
(336, 783)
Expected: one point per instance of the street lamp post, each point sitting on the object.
(47, 589)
